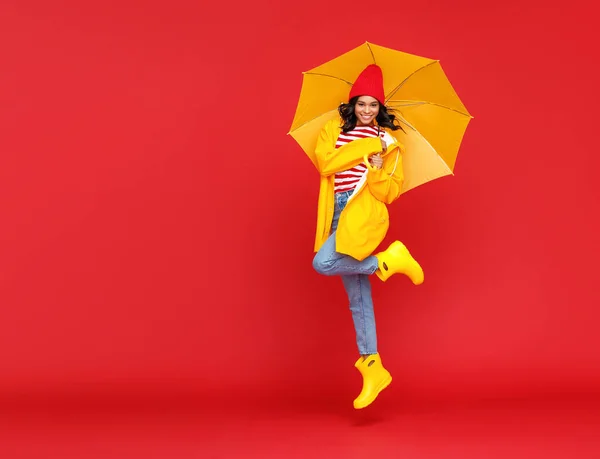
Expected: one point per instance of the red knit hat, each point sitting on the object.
(369, 83)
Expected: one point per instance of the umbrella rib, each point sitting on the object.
(424, 102)
(427, 142)
(397, 88)
(371, 51)
(330, 76)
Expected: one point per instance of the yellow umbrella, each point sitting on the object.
(416, 88)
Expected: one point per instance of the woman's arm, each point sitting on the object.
(331, 160)
(386, 183)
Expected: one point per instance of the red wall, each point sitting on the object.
(157, 222)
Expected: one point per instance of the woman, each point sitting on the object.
(360, 163)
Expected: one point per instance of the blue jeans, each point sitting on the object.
(355, 276)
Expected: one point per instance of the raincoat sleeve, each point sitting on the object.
(331, 160)
(386, 183)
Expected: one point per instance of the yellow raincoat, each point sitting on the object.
(365, 220)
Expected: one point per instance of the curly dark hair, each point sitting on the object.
(384, 117)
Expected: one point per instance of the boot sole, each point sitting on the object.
(386, 382)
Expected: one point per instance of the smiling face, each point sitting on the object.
(366, 110)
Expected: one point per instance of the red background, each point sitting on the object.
(157, 222)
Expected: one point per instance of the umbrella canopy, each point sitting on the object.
(417, 90)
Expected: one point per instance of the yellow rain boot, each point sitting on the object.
(397, 259)
(375, 379)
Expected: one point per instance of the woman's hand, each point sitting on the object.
(383, 145)
(376, 161)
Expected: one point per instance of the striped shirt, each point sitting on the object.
(347, 180)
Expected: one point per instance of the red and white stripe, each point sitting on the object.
(348, 179)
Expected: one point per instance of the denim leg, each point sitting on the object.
(358, 288)
(355, 276)
(331, 263)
